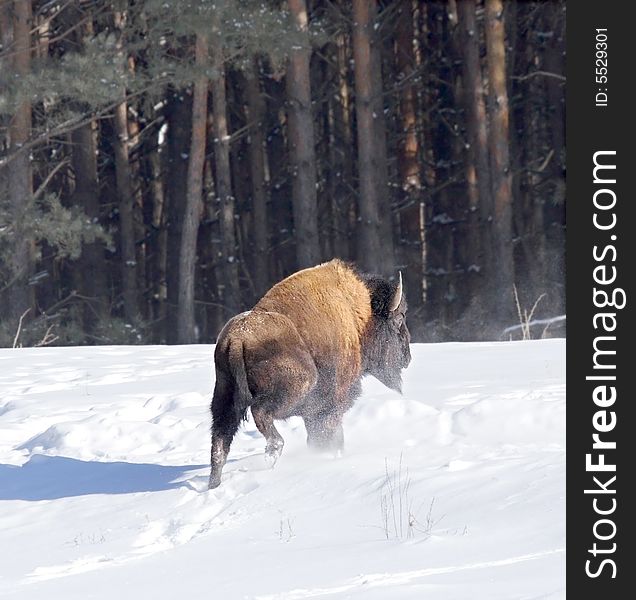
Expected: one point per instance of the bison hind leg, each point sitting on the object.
(221, 440)
(264, 421)
(225, 422)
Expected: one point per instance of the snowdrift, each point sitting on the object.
(455, 489)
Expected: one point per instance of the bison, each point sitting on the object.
(303, 350)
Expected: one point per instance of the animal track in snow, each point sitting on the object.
(196, 513)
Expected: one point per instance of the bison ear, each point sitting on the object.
(397, 297)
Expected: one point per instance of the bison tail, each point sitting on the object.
(242, 393)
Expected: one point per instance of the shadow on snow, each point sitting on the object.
(53, 477)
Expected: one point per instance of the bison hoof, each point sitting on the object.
(272, 454)
(214, 482)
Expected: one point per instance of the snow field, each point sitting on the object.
(104, 465)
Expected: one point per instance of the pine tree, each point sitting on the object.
(329, 129)
(256, 149)
(192, 210)
(374, 251)
(19, 175)
(302, 152)
(503, 274)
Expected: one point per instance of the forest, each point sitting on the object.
(163, 163)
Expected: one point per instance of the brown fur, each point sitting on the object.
(331, 293)
(302, 351)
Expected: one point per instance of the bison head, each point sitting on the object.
(386, 349)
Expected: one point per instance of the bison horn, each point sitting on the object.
(397, 298)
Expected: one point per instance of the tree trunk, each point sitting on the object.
(372, 252)
(428, 175)
(302, 153)
(159, 252)
(442, 136)
(137, 206)
(526, 130)
(192, 210)
(319, 74)
(19, 175)
(343, 204)
(256, 149)
(554, 62)
(503, 277)
(408, 157)
(554, 230)
(463, 281)
(125, 195)
(179, 116)
(229, 251)
(408, 146)
(6, 65)
(477, 130)
(86, 196)
(379, 148)
(215, 313)
(6, 60)
(283, 244)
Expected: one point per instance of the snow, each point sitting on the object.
(104, 466)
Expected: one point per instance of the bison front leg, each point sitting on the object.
(265, 424)
(324, 432)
